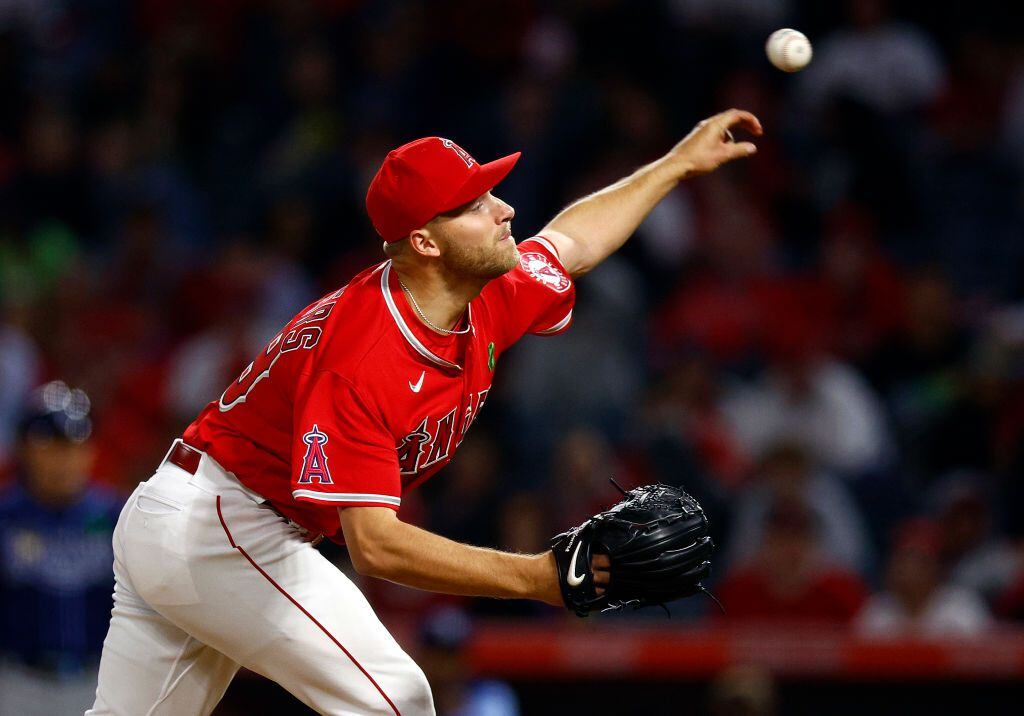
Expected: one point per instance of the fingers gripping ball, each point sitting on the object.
(789, 50)
(657, 543)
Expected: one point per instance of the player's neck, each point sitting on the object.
(441, 298)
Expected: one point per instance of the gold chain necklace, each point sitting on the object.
(423, 317)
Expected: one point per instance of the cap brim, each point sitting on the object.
(486, 178)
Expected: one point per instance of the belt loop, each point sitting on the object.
(185, 456)
(174, 444)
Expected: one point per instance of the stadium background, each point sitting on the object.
(825, 343)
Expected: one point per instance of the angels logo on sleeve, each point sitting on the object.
(542, 270)
(314, 464)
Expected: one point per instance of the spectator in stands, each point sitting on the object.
(724, 298)
(788, 580)
(813, 399)
(918, 601)
(854, 296)
(582, 464)
(887, 65)
(55, 557)
(444, 635)
(966, 435)
(683, 408)
(973, 555)
(919, 371)
(787, 473)
(229, 294)
(50, 184)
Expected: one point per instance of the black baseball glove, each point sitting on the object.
(657, 543)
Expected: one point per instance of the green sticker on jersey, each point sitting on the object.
(490, 356)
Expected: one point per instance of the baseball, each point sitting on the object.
(789, 50)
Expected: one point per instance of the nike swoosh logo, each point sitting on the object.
(572, 578)
(419, 383)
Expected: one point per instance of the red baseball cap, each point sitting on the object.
(424, 178)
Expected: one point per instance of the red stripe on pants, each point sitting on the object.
(302, 609)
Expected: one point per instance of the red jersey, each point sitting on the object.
(356, 401)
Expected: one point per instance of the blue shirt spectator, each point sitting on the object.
(55, 577)
(55, 561)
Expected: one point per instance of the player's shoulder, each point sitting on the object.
(364, 284)
(539, 259)
(358, 322)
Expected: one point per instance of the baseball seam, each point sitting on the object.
(786, 58)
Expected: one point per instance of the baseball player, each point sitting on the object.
(365, 394)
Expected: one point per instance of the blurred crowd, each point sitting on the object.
(824, 343)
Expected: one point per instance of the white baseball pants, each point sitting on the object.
(208, 579)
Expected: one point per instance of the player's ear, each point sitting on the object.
(424, 242)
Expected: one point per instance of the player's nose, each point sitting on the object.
(505, 212)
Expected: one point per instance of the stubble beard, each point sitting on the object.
(481, 262)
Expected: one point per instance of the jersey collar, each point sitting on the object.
(406, 330)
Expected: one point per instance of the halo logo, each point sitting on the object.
(314, 464)
(463, 154)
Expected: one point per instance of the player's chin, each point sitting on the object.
(512, 258)
(501, 264)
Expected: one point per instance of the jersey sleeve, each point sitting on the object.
(342, 455)
(537, 296)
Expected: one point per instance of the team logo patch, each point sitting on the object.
(314, 464)
(463, 154)
(540, 267)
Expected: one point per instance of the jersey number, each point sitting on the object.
(303, 333)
